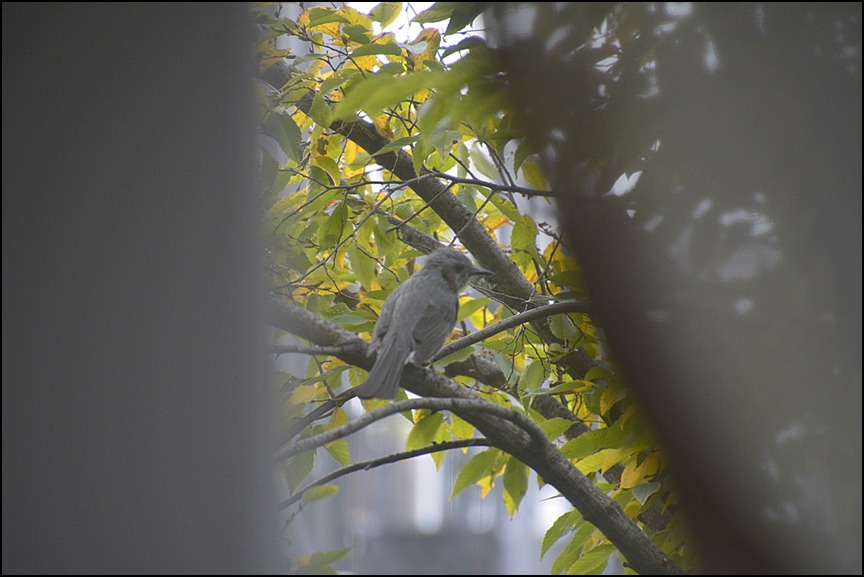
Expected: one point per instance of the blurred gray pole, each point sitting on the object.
(135, 408)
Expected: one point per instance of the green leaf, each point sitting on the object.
(567, 278)
(319, 16)
(337, 79)
(524, 234)
(283, 129)
(332, 229)
(357, 33)
(463, 14)
(338, 449)
(320, 111)
(319, 563)
(397, 144)
(469, 308)
(329, 166)
(422, 150)
(461, 428)
(524, 150)
(464, 44)
(477, 467)
(562, 327)
(374, 49)
(562, 525)
(482, 163)
(349, 320)
(568, 386)
(320, 492)
(593, 562)
(515, 483)
(555, 426)
(423, 433)
(362, 265)
(644, 490)
(533, 377)
(585, 444)
(386, 13)
(391, 69)
(386, 239)
(436, 13)
(573, 550)
(597, 373)
(380, 91)
(298, 468)
(505, 206)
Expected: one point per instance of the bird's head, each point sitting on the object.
(456, 268)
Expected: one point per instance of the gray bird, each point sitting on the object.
(416, 320)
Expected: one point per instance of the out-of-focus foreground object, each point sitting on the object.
(728, 280)
(134, 375)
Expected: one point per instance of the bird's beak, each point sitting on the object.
(481, 272)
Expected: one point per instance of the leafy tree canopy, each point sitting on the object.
(377, 148)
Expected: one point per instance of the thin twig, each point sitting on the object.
(515, 320)
(373, 463)
(495, 186)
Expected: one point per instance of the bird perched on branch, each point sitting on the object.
(416, 319)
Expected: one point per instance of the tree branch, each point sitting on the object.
(508, 286)
(495, 186)
(524, 443)
(513, 290)
(304, 350)
(457, 405)
(373, 463)
(514, 321)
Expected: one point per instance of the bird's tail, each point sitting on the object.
(383, 379)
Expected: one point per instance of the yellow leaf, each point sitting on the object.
(631, 476)
(533, 174)
(610, 396)
(303, 394)
(595, 462)
(634, 474)
(486, 485)
(432, 38)
(382, 126)
(339, 418)
(616, 456)
(652, 464)
(633, 508)
(494, 222)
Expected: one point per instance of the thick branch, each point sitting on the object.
(513, 288)
(373, 463)
(304, 350)
(441, 404)
(508, 285)
(532, 449)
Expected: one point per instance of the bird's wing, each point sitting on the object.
(382, 325)
(434, 326)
